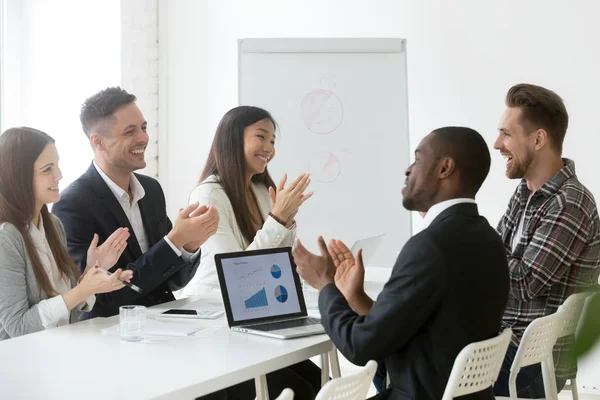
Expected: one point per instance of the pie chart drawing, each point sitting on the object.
(276, 271)
(281, 294)
(324, 167)
(322, 111)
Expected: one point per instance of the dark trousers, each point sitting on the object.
(380, 378)
(303, 378)
(530, 383)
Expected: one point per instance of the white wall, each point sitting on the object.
(14, 27)
(462, 58)
(58, 53)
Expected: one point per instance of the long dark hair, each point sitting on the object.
(19, 149)
(227, 162)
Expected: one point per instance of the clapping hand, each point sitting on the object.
(108, 254)
(316, 270)
(349, 271)
(286, 200)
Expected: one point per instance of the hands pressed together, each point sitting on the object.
(335, 264)
(286, 200)
(194, 225)
(94, 281)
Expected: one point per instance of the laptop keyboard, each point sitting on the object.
(293, 323)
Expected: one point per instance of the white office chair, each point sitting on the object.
(536, 347)
(352, 387)
(570, 313)
(287, 394)
(477, 366)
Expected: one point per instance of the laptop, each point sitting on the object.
(369, 246)
(262, 294)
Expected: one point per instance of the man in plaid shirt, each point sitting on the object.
(550, 229)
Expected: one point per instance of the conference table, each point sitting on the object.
(80, 361)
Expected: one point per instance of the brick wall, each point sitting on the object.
(139, 66)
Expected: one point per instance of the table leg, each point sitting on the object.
(335, 363)
(262, 390)
(324, 368)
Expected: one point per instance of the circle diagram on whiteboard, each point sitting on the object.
(324, 167)
(322, 111)
(276, 271)
(281, 294)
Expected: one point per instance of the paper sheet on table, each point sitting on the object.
(212, 303)
(159, 328)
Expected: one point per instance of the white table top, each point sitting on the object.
(79, 362)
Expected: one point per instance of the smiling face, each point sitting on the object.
(46, 175)
(515, 144)
(124, 144)
(421, 184)
(259, 146)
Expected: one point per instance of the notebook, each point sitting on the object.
(262, 294)
(369, 247)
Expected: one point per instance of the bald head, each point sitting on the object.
(468, 150)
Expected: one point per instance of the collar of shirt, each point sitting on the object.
(38, 236)
(440, 207)
(38, 233)
(549, 188)
(137, 190)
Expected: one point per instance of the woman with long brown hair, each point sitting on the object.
(253, 214)
(40, 286)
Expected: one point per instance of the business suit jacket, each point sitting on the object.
(448, 288)
(88, 206)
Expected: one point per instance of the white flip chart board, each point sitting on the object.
(341, 107)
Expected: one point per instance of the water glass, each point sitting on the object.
(131, 323)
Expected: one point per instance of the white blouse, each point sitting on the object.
(228, 237)
(54, 311)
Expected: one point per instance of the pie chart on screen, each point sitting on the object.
(276, 271)
(281, 294)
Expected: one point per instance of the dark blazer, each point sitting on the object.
(88, 206)
(448, 288)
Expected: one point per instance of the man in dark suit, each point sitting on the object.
(163, 257)
(449, 285)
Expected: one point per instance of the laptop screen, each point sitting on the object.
(260, 285)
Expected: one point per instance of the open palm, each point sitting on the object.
(349, 271)
(108, 254)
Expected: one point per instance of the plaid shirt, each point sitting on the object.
(557, 255)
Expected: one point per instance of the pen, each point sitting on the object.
(129, 285)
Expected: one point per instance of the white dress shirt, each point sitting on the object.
(519, 231)
(440, 207)
(53, 311)
(133, 213)
(228, 237)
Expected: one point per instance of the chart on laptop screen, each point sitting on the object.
(260, 286)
